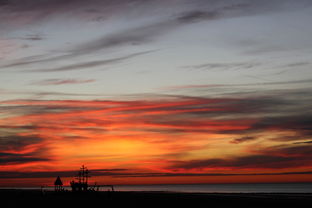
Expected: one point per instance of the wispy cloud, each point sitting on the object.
(243, 139)
(290, 82)
(19, 149)
(90, 64)
(263, 161)
(305, 142)
(149, 32)
(13, 159)
(47, 174)
(166, 126)
(33, 37)
(124, 173)
(198, 11)
(39, 94)
(62, 81)
(14, 144)
(223, 66)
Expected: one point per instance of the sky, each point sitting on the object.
(155, 91)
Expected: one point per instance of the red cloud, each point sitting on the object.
(189, 134)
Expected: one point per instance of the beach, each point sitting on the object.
(36, 198)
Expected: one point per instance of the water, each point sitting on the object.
(212, 188)
(223, 188)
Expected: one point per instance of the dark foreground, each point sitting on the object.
(28, 198)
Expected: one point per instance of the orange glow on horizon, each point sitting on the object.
(145, 137)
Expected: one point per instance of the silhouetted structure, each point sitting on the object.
(82, 183)
(58, 184)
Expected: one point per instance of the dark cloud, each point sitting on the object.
(296, 151)
(257, 114)
(4, 2)
(149, 32)
(300, 123)
(13, 146)
(275, 157)
(243, 139)
(194, 16)
(224, 66)
(125, 173)
(40, 109)
(298, 64)
(262, 161)
(133, 36)
(40, 95)
(47, 174)
(22, 127)
(90, 64)
(27, 60)
(33, 37)
(306, 142)
(78, 66)
(11, 158)
(16, 142)
(242, 116)
(224, 86)
(206, 174)
(137, 34)
(197, 11)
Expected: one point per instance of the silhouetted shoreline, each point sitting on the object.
(36, 198)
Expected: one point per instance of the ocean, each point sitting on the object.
(223, 188)
(211, 188)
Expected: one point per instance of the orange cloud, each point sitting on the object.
(181, 135)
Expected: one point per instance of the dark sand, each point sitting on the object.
(32, 198)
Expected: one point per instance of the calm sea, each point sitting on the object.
(215, 188)
(224, 188)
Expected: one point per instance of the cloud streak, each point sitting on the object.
(243, 139)
(264, 161)
(116, 173)
(91, 64)
(223, 66)
(168, 127)
(14, 159)
(199, 11)
(290, 82)
(63, 81)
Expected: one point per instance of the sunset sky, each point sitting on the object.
(155, 91)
